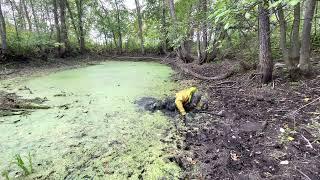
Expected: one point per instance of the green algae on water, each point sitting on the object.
(94, 130)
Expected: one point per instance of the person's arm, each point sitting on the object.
(180, 107)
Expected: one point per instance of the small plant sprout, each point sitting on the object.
(27, 169)
(30, 162)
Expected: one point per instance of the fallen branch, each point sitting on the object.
(212, 113)
(199, 76)
(308, 142)
(307, 177)
(226, 82)
(294, 112)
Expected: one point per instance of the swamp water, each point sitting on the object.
(93, 130)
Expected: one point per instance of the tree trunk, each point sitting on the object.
(79, 4)
(295, 36)
(57, 26)
(119, 28)
(204, 32)
(315, 19)
(182, 51)
(25, 8)
(49, 20)
(283, 36)
(173, 12)
(35, 18)
(73, 22)
(164, 31)
(140, 26)
(199, 46)
(3, 31)
(304, 62)
(21, 13)
(266, 64)
(14, 20)
(64, 33)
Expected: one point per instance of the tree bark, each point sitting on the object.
(266, 64)
(57, 26)
(25, 8)
(204, 32)
(164, 31)
(199, 45)
(79, 4)
(119, 27)
(140, 26)
(14, 20)
(35, 18)
(49, 20)
(295, 36)
(283, 36)
(73, 22)
(64, 32)
(3, 30)
(304, 62)
(21, 14)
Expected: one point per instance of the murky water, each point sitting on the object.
(93, 129)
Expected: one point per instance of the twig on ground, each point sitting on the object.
(296, 111)
(307, 177)
(226, 82)
(212, 113)
(308, 142)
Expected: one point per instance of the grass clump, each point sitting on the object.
(26, 168)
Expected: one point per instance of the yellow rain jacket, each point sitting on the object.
(183, 97)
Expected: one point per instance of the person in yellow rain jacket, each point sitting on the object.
(184, 98)
(187, 100)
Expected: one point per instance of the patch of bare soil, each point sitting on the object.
(267, 132)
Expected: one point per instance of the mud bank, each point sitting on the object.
(93, 129)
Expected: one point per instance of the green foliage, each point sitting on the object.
(20, 163)
(5, 174)
(28, 42)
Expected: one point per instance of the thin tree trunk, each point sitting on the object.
(79, 4)
(304, 62)
(105, 39)
(119, 27)
(48, 18)
(266, 64)
(3, 30)
(295, 36)
(140, 26)
(164, 31)
(25, 8)
(204, 32)
(283, 36)
(35, 18)
(57, 26)
(73, 22)
(199, 45)
(64, 33)
(315, 19)
(21, 13)
(114, 39)
(14, 20)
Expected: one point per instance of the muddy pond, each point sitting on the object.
(93, 129)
